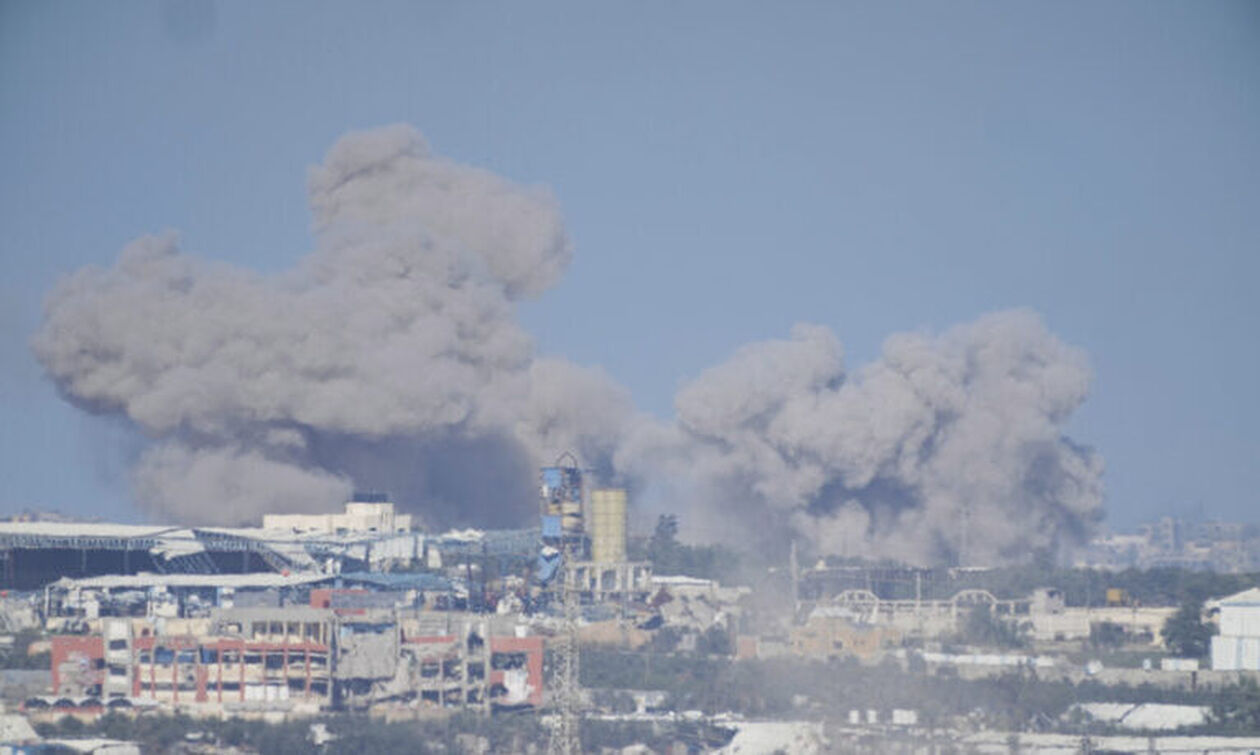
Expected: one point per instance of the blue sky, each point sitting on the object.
(725, 169)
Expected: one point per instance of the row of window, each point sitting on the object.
(211, 656)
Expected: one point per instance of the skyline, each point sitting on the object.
(728, 201)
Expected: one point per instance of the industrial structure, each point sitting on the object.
(561, 497)
(308, 611)
(356, 611)
(369, 535)
(592, 537)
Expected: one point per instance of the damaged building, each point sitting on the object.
(299, 660)
(369, 535)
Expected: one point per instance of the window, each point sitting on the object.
(500, 661)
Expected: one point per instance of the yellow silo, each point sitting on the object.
(608, 525)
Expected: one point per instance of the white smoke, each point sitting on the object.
(390, 357)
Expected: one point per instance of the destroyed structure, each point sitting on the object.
(352, 610)
(301, 659)
(368, 536)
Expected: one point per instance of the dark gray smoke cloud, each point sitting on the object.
(391, 358)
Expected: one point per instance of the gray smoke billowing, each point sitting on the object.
(946, 449)
(391, 358)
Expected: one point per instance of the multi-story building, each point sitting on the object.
(300, 660)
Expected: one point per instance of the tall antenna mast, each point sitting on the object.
(566, 736)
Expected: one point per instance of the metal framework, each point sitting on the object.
(566, 734)
(173, 550)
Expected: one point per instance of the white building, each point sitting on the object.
(1237, 646)
(360, 517)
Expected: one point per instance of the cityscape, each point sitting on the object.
(361, 613)
(408, 376)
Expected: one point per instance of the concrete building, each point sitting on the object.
(366, 513)
(1237, 645)
(612, 582)
(300, 660)
(248, 656)
(1049, 619)
(828, 633)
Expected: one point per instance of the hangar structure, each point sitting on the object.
(33, 554)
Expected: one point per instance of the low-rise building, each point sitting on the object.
(831, 634)
(366, 513)
(1236, 646)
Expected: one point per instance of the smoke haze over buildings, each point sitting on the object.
(391, 357)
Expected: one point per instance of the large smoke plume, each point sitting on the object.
(390, 357)
(945, 450)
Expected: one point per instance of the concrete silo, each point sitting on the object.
(607, 525)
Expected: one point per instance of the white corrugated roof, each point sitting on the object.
(677, 579)
(141, 581)
(86, 529)
(1245, 598)
(15, 730)
(1147, 716)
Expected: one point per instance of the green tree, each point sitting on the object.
(19, 655)
(714, 641)
(1237, 709)
(663, 547)
(983, 628)
(1185, 633)
(669, 556)
(1106, 634)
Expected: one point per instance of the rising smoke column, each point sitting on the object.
(946, 449)
(389, 357)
